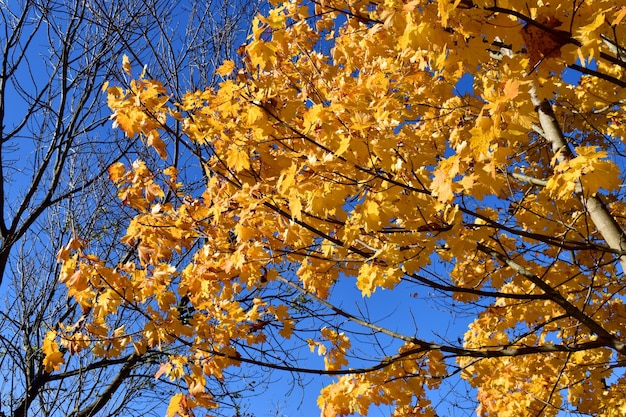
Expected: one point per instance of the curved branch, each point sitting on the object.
(108, 392)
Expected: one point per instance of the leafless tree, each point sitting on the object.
(55, 147)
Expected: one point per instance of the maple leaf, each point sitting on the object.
(511, 89)
(178, 406)
(226, 68)
(542, 44)
(126, 64)
(442, 182)
(154, 140)
(53, 358)
(261, 53)
(238, 159)
(116, 172)
(145, 253)
(619, 16)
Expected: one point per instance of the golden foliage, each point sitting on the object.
(342, 150)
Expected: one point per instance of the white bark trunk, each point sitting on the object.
(606, 224)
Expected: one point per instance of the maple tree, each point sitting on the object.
(342, 150)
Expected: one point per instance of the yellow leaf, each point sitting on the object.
(287, 179)
(126, 64)
(154, 140)
(237, 159)
(366, 281)
(276, 18)
(262, 54)
(295, 205)
(282, 314)
(442, 186)
(171, 172)
(255, 113)
(226, 68)
(140, 347)
(619, 16)
(343, 145)
(145, 253)
(164, 368)
(587, 32)
(175, 406)
(53, 357)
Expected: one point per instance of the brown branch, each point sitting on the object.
(110, 389)
(421, 347)
(597, 74)
(560, 34)
(97, 365)
(360, 18)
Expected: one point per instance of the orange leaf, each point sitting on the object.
(511, 89)
(116, 172)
